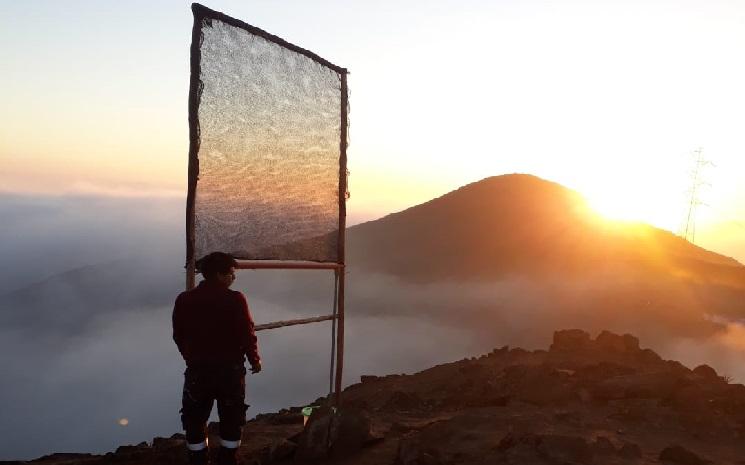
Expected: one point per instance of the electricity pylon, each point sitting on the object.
(688, 231)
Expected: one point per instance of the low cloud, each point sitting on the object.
(85, 307)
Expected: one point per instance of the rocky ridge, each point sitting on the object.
(583, 401)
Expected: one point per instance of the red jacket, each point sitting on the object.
(212, 323)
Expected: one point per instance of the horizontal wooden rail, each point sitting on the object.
(302, 321)
(267, 265)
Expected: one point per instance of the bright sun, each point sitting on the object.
(636, 206)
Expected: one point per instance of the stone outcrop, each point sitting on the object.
(585, 401)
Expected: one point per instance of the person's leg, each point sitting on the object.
(231, 407)
(196, 405)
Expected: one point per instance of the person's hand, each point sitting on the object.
(255, 368)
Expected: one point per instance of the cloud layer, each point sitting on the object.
(85, 306)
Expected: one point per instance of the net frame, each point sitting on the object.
(202, 13)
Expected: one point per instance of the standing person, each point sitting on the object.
(214, 331)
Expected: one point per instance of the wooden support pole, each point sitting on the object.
(191, 272)
(269, 265)
(302, 321)
(340, 341)
(195, 94)
(342, 236)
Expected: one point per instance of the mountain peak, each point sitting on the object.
(517, 224)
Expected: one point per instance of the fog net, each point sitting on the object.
(265, 155)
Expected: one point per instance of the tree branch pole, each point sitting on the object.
(342, 236)
(302, 321)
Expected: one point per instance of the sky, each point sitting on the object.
(608, 98)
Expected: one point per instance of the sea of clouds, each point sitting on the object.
(86, 295)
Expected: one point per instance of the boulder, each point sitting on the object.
(612, 342)
(706, 372)
(648, 356)
(570, 340)
(603, 446)
(314, 441)
(335, 433)
(681, 455)
(630, 450)
(563, 449)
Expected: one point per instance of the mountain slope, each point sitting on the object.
(521, 224)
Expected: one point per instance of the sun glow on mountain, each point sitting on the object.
(636, 206)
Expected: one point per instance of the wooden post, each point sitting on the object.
(190, 275)
(195, 94)
(342, 237)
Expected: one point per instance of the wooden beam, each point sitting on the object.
(272, 265)
(302, 321)
(342, 236)
(195, 95)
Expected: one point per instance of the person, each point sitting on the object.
(214, 331)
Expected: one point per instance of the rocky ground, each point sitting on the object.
(583, 401)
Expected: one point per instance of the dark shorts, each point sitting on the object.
(204, 384)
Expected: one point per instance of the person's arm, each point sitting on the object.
(178, 324)
(249, 342)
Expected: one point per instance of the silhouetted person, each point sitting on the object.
(213, 330)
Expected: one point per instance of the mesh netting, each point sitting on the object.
(269, 125)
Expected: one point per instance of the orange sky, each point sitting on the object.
(609, 98)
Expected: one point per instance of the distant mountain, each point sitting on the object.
(521, 224)
(453, 253)
(570, 264)
(67, 303)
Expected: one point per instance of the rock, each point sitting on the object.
(706, 372)
(278, 451)
(538, 385)
(408, 452)
(163, 444)
(287, 417)
(411, 452)
(630, 450)
(335, 433)
(591, 374)
(314, 441)
(552, 448)
(169, 451)
(501, 351)
(648, 356)
(638, 386)
(570, 340)
(403, 401)
(141, 447)
(563, 449)
(677, 367)
(614, 343)
(569, 417)
(66, 457)
(603, 446)
(351, 430)
(681, 455)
